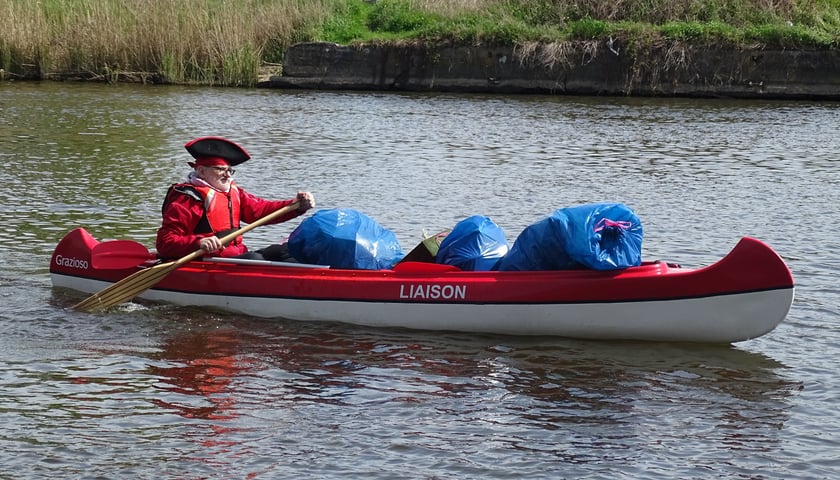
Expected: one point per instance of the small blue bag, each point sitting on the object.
(475, 243)
(344, 238)
(601, 236)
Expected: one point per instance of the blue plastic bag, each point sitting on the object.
(601, 236)
(540, 246)
(475, 243)
(344, 238)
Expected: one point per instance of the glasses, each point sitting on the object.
(224, 170)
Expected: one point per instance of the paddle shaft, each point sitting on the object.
(134, 284)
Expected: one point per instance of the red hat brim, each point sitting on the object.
(217, 147)
(209, 162)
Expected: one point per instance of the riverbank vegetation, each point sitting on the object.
(226, 42)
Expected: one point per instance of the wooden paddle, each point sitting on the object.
(134, 284)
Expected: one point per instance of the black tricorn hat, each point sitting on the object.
(208, 147)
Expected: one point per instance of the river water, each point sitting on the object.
(164, 392)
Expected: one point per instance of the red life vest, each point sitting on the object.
(221, 209)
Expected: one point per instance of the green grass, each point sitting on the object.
(779, 24)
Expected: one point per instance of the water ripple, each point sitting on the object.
(149, 391)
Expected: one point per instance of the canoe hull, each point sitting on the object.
(723, 303)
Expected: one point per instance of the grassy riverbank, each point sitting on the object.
(225, 42)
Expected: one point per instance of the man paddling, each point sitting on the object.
(209, 205)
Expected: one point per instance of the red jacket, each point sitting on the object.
(185, 222)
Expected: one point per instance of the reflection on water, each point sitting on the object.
(223, 395)
(201, 365)
(608, 400)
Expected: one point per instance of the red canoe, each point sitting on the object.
(744, 295)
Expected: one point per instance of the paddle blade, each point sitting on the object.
(119, 254)
(126, 289)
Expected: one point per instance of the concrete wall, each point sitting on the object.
(584, 68)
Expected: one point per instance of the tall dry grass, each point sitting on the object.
(453, 8)
(215, 42)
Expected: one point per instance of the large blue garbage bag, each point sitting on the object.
(344, 238)
(540, 246)
(601, 236)
(475, 243)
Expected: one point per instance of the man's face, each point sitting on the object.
(217, 176)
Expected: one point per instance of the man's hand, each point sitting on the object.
(210, 244)
(306, 201)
